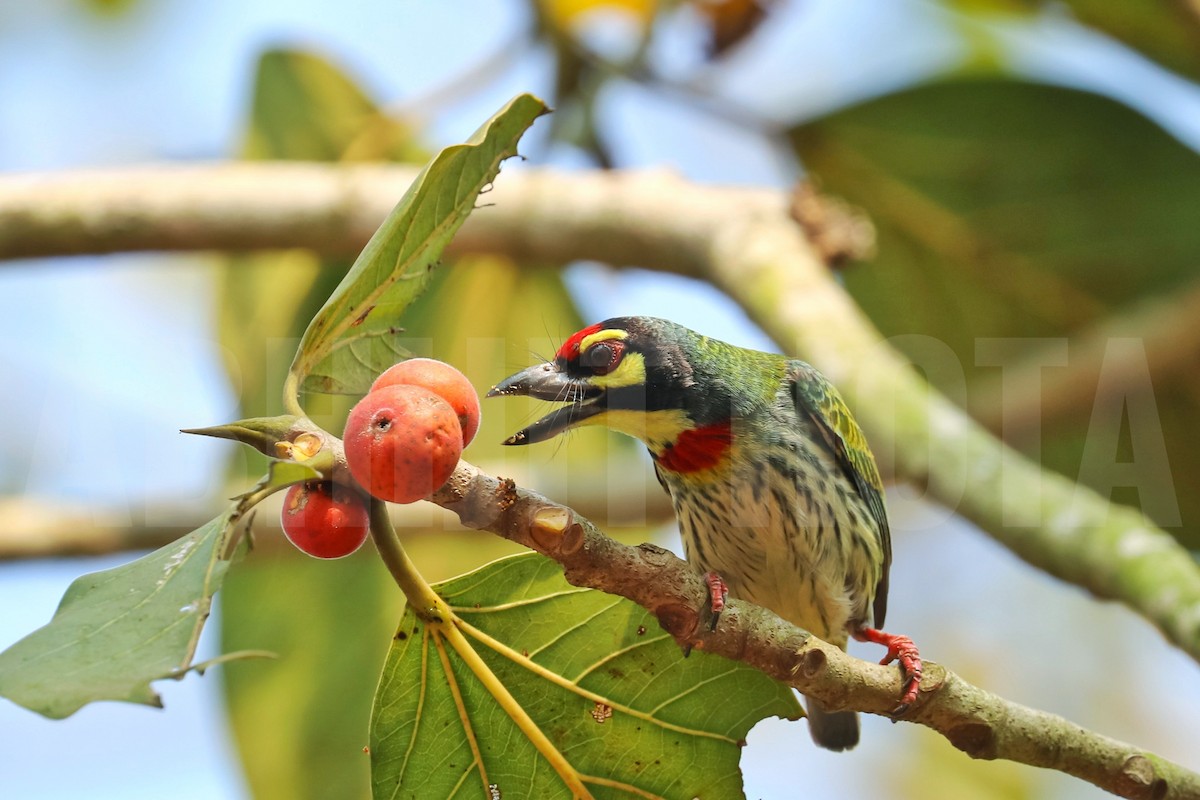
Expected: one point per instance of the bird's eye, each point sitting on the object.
(602, 357)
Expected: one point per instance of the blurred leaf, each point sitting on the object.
(306, 108)
(1008, 209)
(301, 720)
(932, 768)
(596, 674)
(991, 6)
(303, 108)
(1166, 32)
(116, 631)
(348, 342)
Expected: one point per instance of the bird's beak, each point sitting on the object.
(548, 382)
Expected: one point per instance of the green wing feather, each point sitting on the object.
(818, 400)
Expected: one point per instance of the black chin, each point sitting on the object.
(556, 422)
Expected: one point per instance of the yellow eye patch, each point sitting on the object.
(601, 336)
(630, 372)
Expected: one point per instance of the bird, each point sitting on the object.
(776, 493)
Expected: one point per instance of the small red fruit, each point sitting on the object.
(324, 520)
(402, 442)
(442, 379)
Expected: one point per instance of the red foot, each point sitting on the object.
(900, 648)
(718, 592)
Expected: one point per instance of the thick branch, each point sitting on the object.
(975, 721)
(200, 207)
(740, 239)
(33, 529)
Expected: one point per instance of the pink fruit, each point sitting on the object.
(442, 379)
(402, 442)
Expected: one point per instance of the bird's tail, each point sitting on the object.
(833, 730)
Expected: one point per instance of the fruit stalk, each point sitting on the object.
(420, 595)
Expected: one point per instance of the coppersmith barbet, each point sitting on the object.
(776, 492)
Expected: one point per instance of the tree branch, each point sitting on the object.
(197, 207)
(742, 240)
(31, 528)
(973, 720)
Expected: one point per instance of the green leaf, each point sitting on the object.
(280, 475)
(302, 720)
(261, 433)
(116, 631)
(1017, 210)
(349, 341)
(307, 108)
(595, 673)
(1008, 208)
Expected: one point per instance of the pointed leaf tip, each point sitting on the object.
(353, 337)
(261, 433)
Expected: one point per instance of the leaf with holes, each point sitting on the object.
(353, 337)
(610, 704)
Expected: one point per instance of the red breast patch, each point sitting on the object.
(697, 449)
(570, 348)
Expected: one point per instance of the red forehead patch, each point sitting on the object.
(570, 348)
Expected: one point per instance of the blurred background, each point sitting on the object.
(1029, 172)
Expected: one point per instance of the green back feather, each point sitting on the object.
(818, 400)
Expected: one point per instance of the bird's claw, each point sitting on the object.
(903, 649)
(718, 593)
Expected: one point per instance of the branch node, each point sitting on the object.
(837, 231)
(655, 555)
(506, 495)
(553, 528)
(813, 663)
(933, 677)
(1140, 779)
(678, 620)
(976, 739)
